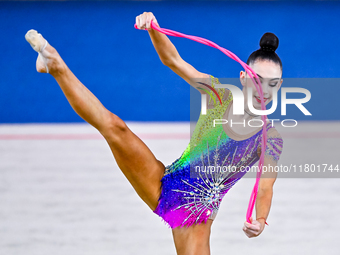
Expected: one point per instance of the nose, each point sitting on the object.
(265, 91)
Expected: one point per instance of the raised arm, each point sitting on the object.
(167, 52)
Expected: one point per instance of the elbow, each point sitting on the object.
(167, 62)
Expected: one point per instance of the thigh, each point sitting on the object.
(193, 240)
(137, 163)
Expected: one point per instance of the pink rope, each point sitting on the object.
(258, 86)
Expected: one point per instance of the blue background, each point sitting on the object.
(119, 64)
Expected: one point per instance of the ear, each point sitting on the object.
(243, 78)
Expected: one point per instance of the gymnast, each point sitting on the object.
(187, 203)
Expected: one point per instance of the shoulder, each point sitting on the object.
(274, 138)
(272, 132)
(274, 145)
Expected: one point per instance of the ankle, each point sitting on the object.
(58, 68)
(56, 65)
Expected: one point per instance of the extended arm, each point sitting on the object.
(265, 191)
(263, 200)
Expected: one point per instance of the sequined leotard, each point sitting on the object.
(193, 185)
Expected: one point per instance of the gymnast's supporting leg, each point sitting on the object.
(193, 240)
(133, 157)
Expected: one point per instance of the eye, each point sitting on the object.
(273, 84)
(260, 81)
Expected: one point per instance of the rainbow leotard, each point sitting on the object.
(194, 185)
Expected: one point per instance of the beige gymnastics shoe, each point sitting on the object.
(38, 43)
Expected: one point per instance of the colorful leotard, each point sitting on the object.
(194, 185)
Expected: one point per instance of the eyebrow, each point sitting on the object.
(270, 79)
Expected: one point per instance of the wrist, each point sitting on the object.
(151, 29)
(262, 220)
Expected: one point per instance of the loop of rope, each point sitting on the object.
(258, 86)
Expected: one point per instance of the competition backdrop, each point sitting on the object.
(120, 66)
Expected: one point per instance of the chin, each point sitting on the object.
(257, 105)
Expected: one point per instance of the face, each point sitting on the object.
(270, 75)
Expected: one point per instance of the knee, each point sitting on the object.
(114, 127)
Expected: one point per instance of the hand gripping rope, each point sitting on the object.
(258, 86)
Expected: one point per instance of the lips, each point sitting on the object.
(259, 100)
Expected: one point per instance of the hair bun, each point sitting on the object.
(269, 42)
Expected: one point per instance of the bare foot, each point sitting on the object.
(48, 60)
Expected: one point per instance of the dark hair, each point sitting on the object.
(268, 43)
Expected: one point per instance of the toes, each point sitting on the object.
(35, 40)
(31, 38)
(30, 34)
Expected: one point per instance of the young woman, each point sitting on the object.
(188, 204)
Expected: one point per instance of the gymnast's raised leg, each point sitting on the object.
(133, 157)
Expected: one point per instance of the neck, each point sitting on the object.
(253, 115)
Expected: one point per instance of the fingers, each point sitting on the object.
(148, 21)
(252, 230)
(250, 233)
(143, 21)
(137, 22)
(256, 226)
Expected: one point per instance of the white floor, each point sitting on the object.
(61, 192)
